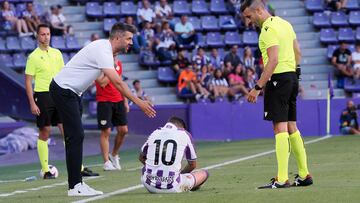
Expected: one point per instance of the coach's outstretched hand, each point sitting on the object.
(252, 96)
(147, 108)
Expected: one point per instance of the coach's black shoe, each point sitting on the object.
(49, 175)
(88, 172)
(274, 184)
(303, 181)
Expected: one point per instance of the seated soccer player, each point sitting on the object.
(162, 154)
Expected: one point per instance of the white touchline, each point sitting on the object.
(40, 188)
(135, 187)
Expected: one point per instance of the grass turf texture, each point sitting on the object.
(334, 164)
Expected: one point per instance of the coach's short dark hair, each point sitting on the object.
(136, 81)
(177, 121)
(121, 28)
(41, 26)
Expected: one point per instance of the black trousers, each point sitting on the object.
(69, 107)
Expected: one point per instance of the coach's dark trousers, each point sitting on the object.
(69, 106)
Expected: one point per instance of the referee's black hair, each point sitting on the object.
(42, 25)
(121, 28)
(177, 121)
(247, 3)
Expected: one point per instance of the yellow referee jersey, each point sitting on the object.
(277, 31)
(43, 66)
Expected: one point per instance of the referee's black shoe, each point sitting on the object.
(302, 181)
(88, 172)
(274, 184)
(49, 175)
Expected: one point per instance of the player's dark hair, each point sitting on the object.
(248, 3)
(177, 121)
(135, 81)
(121, 28)
(42, 25)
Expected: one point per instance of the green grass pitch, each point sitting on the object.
(334, 164)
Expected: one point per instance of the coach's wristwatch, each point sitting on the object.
(257, 87)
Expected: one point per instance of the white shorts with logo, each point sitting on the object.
(187, 182)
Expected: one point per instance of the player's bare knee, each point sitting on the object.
(122, 130)
(292, 127)
(105, 132)
(44, 133)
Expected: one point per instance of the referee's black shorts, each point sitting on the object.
(280, 97)
(49, 116)
(111, 114)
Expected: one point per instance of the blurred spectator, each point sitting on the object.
(145, 14)
(58, 22)
(219, 86)
(355, 56)
(181, 62)
(341, 59)
(215, 59)
(200, 59)
(93, 37)
(250, 78)
(13, 22)
(187, 81)
(249, 60)
(165, 44)
(185, 33)
(336, 4)
(203, 78)
(232, 57)
(139, 41)
(237, 82)
(31, 18)
(139, 92)
(148, 33)
(348, 120)
(163, 11)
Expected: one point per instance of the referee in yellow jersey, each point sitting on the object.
(281, 55)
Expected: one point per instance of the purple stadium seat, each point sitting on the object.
(328, 36)
(72, 43)
(218, 7)
(346, 34)
(66, 57)
(58, 42)
(232, 38)
(111, 9)
(250, 38)
(92, 108)
(321, 20)
(210, 23)
(227, 23)
(199, 7)
(181, 8)
(27, 43)
(13, 43)
(108, 23)
(195, 21)
(214, 39)
(221, 52)
(330, 50)
(148, 59)
(128, 8)
(39, 9)
(3, 45)
(167, 75)
(201, 40)
(352, 85)
(19, 61)
(339, 19)
(357, 34)
(354, 18)
(352, 5)
(7, 60)
(314, 5)
(93, 10)
(20, 8)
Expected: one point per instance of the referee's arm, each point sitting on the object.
(273, 53)
(297, 52)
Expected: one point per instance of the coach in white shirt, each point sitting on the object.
(162, 154)
(146, 13)
(91, 62)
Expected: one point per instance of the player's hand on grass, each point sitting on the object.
(35, 109)
(147, 108)
(252, 96)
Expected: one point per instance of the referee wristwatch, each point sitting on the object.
(257, 87)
